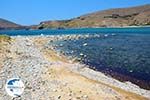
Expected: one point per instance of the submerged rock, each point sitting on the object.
(85, 44)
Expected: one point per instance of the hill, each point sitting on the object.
(119, 17)
(5, 24)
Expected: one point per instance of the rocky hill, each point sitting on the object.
(119, 17)
(5, 24)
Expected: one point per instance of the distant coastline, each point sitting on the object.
(145, 30)
(113, 18)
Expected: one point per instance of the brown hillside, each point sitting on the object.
(5, 24)
(120, 17)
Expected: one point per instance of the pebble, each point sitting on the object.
(64, 84)
(27, 66)
(106, 35)
(81, 54)
(54, 90)
(69, 94)
(1, 84)
(22, 67)
(111, 48)
(85, 44)
(85, 96)
(59, 97)
(131, 71)
(78, 97)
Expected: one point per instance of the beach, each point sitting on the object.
(49, 75)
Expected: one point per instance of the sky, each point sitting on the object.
(30, 12)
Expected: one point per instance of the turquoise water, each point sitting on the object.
(124, 53)
(142, 30)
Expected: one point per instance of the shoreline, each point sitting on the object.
(111, 73)
(84, 70)
(119, 27)
(40, 67)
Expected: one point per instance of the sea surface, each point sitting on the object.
(122, 53)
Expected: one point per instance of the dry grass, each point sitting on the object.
(4, 47)
(4, 38)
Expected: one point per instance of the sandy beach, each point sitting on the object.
(48, 75)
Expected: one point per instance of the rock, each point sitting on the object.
(81, 54)
(69, 94)
(131, 71)
(113, 34)
(8, 51)
(28, 44)
(29, 87)
(42, 34)
(85, 44)
(54, 90)
(64, 84)
(85, 96)
(18, 52)
(110, 48)
(1, 84)
(60, 45)
(43, 82)
(78, 97)
(106, 35)
(59, 97)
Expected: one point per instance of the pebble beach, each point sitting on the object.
(49, 75)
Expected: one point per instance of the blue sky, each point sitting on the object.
(28, 12)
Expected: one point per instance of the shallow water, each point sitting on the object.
(141, 30)
(123, 53)
(126, 57)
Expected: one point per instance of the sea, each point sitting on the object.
(122, 53)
